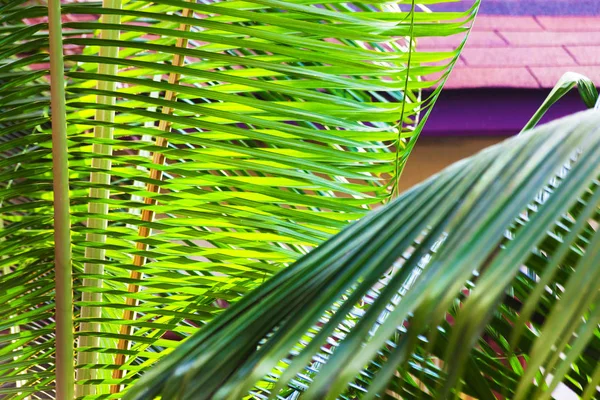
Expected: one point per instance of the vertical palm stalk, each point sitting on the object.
(148, 214)
(100, 180)
(65, 369)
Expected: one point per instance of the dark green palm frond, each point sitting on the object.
(26, 243)
(27, 289)
(481, 281)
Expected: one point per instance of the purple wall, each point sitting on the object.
(493, 112)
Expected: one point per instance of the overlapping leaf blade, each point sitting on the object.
(285, 127)
(289, 120)
(461, 285)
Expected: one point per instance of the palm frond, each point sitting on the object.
(288, 121)
(585, 86)
(27, 341)
(481, 281)
(283, 130)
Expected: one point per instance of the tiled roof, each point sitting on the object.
(523, 51)
(526, 7)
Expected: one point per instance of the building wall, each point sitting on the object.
(432, 154)
(465, 121)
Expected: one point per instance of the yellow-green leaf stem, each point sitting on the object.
(98, 210)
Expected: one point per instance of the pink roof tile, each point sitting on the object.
(475, 77)
(548, 76)
(517, 56)
(570, 24)
(585, 55)
(460, 63)
(547, 38)
(506, 23)
(523, 51)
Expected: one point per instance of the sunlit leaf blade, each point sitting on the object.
(286, 126)
(290, 120)
(481, 281)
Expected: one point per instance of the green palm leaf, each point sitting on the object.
(587, 92)
(209, 146)
(481, 281)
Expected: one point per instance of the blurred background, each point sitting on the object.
(516, 53)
